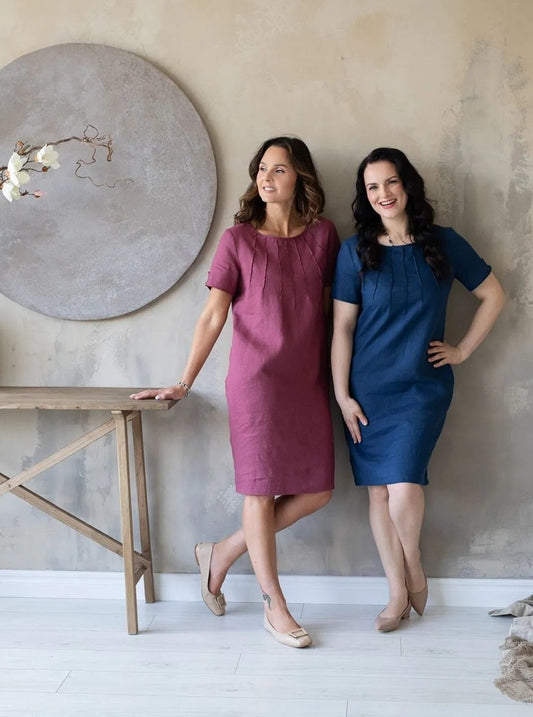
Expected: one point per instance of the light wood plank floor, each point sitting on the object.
(66, 658)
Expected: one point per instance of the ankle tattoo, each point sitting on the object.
(267, 599)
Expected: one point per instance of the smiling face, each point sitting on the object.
(276, 177)
(385, 190)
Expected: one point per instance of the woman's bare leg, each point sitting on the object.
(406, 507)
(288, 509)
(259, 526)
(396, 517)
(389, 548)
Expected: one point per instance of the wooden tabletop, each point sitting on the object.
(72, 398)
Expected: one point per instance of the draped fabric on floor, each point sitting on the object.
(517, 659)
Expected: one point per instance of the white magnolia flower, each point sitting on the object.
(48, 156)
(14, 166)
(16, 162)
(10, 191)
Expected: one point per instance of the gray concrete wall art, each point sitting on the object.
(129, 208)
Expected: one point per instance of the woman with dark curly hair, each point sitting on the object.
(274, 268)
(392, 368)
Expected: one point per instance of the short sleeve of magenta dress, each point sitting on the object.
(402, 307)
(277, 384)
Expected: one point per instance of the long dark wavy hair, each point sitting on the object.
(309, 197)
(420, 213)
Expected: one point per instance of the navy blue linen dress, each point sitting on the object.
(402, 309)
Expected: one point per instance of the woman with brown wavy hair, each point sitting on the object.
(274, 268)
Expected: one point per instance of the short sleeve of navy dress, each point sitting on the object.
(402, 307)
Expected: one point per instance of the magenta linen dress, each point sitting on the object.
(277, 382)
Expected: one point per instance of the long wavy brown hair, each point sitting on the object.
(309, 197)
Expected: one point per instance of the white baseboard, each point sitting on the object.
(490, 593)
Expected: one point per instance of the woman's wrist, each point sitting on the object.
(185, 386)
(342, 396)
(463, 352)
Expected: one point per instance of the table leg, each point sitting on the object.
(142, 499)
(121, 424)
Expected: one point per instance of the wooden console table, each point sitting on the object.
(124, 410)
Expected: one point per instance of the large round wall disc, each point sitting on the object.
(128, 210)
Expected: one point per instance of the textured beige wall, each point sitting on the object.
(448, 81)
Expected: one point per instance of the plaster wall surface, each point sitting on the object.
(449, 82)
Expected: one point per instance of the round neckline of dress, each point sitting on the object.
(273, 236)
(397, 246)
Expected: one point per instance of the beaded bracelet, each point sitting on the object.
(185, 386)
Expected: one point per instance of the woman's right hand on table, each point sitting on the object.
(174, 393)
